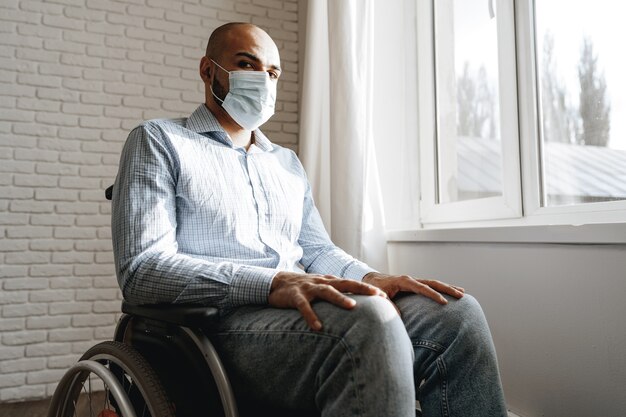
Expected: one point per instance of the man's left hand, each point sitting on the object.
(393, 284)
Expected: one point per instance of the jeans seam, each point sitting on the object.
(429, 345)
(441, 366)
(354, 367)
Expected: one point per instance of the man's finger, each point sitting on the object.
(330, 294)
(304, 307)
(442, 287)
(420, 288)
(355, 287)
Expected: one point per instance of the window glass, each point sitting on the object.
(469, 149)
(581, 84)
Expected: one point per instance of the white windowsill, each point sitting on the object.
(603, 234)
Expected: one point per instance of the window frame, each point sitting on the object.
(477, 214)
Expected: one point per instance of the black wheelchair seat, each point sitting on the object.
(186, 315)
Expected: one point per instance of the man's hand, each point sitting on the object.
(295, 290)
(393, 284)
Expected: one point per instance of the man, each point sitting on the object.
(207, 210)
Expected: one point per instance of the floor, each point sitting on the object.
(28, 408)
(40, 408)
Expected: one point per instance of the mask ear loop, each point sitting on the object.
(223, 69)
(211, 86)
(216, 97)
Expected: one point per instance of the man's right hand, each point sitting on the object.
(296, 290)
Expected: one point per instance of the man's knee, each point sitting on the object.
(373, 311)
(466, 314)
(373, 319)
(427, 320)
(463, 312)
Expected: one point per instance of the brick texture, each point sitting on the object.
(75, 77)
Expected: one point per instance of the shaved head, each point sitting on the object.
(221, 37)
(240, 46)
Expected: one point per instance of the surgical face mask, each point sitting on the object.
(251, 97)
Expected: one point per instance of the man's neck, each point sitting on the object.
(243, 138)
(240, 137)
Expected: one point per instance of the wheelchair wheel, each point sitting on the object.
(84, 390)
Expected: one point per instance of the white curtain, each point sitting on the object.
(336, 139)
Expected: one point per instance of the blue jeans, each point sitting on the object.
(367, 361)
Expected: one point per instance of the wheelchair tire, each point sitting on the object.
(132, 371)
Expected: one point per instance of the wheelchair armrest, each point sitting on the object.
(108, 193)
(181, 315)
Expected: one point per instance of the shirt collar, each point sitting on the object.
(203, 121)
(262, 142)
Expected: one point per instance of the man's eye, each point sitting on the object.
(273, 75)
(245, 64)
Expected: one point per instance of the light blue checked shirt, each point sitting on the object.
(197, 220)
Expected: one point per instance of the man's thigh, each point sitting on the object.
(273, 357)
(271, 354)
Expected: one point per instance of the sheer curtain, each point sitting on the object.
(336, 134)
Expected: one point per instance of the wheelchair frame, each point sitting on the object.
(191, 320)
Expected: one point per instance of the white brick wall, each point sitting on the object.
(75, 77)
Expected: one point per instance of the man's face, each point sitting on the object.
(247, 48)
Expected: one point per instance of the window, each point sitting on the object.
(469, 148)
(521, 112)
(582, 95)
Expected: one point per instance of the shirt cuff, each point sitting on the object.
(251, 285)
(357, 270)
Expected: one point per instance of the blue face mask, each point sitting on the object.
(251, 97)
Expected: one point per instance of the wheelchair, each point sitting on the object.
(160, 363)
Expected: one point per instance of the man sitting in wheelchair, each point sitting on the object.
(208, 211)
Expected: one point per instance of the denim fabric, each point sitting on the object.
(367, 361)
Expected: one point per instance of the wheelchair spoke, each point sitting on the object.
(89, 396)
(106, 394)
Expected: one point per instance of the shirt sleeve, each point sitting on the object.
(320, 255)
(149, 267)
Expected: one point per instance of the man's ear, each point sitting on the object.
(207, 71)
